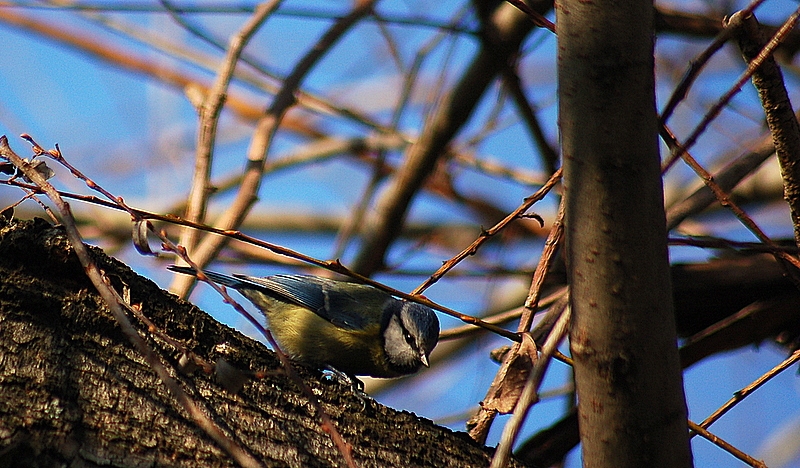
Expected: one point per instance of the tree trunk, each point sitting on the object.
(631, 408)
(73, 392)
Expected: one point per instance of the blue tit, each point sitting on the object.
(354, 328)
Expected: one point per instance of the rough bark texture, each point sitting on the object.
(631, 409)
(73, 392)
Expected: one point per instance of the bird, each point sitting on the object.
(352, 328)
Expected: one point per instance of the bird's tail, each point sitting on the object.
(226, 280)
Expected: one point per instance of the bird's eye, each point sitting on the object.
(408, 337)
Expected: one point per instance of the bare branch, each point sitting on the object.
(262, 140)
(510, 27)
(785, 129)
(197, 202)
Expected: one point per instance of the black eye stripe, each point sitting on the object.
(407, 335)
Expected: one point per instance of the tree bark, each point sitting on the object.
(631, 408)
(73, 392)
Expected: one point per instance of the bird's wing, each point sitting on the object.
(320, 295)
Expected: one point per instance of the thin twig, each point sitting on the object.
(727, 446)
(486, 235)
(746, 391)
(695, 67)
(546, 260)
(501, 318)
(721, 243)
(507, 379)
(727, 178)
(535, 16)
(154, 330)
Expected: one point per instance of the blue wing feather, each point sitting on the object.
(350, 308)
(320, 295)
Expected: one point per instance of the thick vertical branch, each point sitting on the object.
(781, 120)
(632, 411)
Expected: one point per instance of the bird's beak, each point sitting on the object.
(424, 359)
